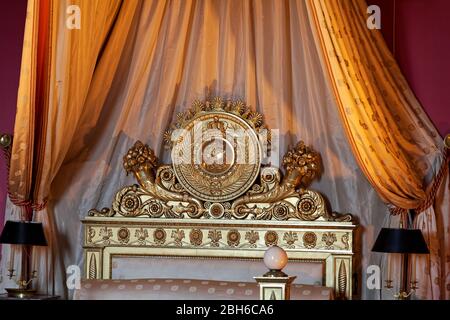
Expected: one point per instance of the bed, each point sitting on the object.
(199, 219)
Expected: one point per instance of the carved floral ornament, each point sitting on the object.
(218, 173)
(196, 237)
(228, 238)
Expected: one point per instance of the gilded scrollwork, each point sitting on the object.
(166, 176)
(105, 212)
(274, 196)
(340, 217)
(134, 202)
(140, 160)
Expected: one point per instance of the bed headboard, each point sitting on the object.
(217, 200)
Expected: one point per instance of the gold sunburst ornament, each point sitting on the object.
(218, 157)
(238, 108)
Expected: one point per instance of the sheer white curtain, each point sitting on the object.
(178, 51)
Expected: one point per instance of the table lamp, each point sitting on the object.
(404, 241)
(26, 234)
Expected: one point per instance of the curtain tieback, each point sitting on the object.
(429, 200)
(28, 205)
(395, 211)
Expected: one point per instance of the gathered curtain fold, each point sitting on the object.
(395, 143)
(59, 65)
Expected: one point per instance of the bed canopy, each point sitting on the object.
(312, 67)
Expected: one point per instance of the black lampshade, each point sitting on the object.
(21, 232)
(400, 241)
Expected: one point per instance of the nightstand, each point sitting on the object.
(4, 296)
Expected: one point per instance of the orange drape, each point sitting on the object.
(59, 65)
(36, 57)
(395, 143)
(54, 85)
(393, 140)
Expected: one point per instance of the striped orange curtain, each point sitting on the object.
(393, 140)
(32, 86)
(58, 65)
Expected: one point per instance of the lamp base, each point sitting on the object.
(275, 274)
(20, 292)
(403, 295)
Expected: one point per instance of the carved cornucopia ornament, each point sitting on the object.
(217, 160)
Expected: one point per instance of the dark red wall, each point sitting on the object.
(418, 33)
(12, 23)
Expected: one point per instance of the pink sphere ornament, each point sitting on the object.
(275, 258)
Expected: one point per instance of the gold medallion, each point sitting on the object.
(216, 156)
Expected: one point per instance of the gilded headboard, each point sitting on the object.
(217, 199)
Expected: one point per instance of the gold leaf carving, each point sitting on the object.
(221, 191)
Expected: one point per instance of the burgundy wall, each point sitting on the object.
(418, 33)
(12, 18)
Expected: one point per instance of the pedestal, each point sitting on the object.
(275, 288)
